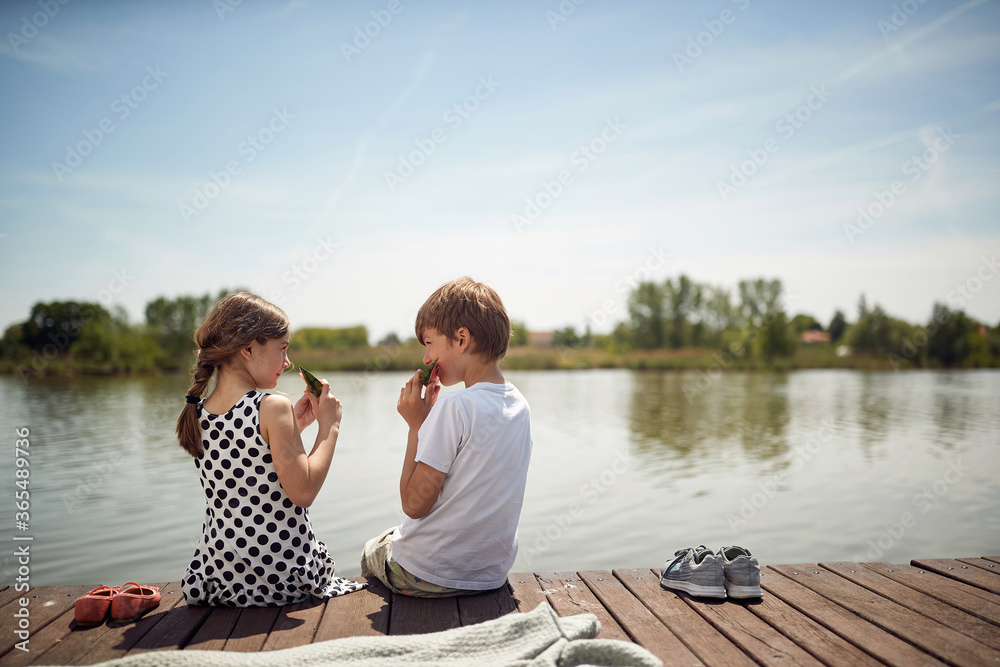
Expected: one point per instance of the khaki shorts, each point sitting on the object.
(377, 561)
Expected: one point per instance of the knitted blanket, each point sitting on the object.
(537, 638)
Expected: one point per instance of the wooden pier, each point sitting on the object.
(929, 612)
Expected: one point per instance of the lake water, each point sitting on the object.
(627, 467)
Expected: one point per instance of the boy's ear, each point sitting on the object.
(464, 339)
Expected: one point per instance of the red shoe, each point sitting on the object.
(93, 607)
(133, 601)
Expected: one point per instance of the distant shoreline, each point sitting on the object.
(529, 357)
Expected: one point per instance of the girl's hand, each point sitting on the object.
(413, 407)
(326, 407)
(305, 413)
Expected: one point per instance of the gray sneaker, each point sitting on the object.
(742, 572)
(697, 571)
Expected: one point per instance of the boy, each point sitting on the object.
(466, 458)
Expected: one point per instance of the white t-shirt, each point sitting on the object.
(480, 438)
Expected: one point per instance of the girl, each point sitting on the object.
(257, 546)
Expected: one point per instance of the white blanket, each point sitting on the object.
(539, 637)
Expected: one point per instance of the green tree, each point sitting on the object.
(518, 334)
(12, 345)
(683, 300)
(389, 340)
(876, 332)
(803, 322)
(323, 338)
(837, 327)
(717, 312)
(566, 337)
(778, 339)
(758, 297)
(764, 322)
(646, 309)
(951, 336)
(54, 327)
(172, 322)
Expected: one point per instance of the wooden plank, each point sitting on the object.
(934, 638)
(359, 614)
(957, 570)
(749, 633)
(175, 630)
(640, 623)
(985, 564)
(945, 614)
(486, 606)
(9, 594)
(215, 630)
(416, 616)
(526, 590)
(44, 606)
(807, 633)
(251, 629)
(296, 625)
(569, 596)
(121, 637)
(962, 596)
(81, 641)
(707, 643)
(883, 646)
(992, 559)
(41, 641)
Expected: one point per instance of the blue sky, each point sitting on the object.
(557, 151)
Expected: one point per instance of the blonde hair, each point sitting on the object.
(233, 323)
(465, 303)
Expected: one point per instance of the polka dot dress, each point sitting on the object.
(257, 548)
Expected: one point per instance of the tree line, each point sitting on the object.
(752, 323)
(87, 337)
(755, 322)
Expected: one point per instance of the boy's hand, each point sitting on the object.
(413, 407)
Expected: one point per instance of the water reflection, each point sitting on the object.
(114, 496)
(874, 411)
(748, 413)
